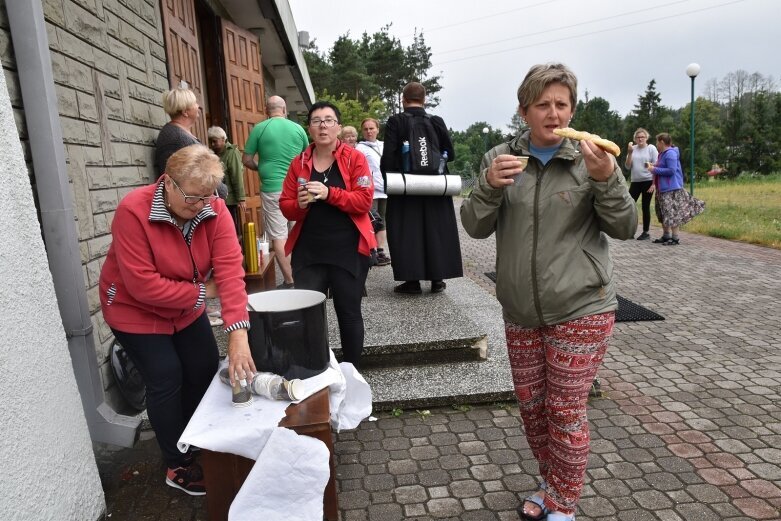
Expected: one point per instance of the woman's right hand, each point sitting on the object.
(304, 197)
(501, 169)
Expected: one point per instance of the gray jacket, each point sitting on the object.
(552, 258)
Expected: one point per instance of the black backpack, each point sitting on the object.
(424, 145)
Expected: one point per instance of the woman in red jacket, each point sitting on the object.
(328, 193)
(168, 239)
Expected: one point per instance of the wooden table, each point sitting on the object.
(265, 278)
(225, 473)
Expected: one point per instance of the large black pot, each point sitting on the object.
(288, 332)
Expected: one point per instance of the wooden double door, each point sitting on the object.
(225, 72)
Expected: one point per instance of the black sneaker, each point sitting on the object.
(382, 258)
(411, 287)
(187, 479)
(643, 236)
(438, 286)
(286, 285)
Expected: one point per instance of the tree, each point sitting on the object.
(320, 70)
(383, 54)
(515, 126)
(417, 62)
(709, 140)
(649, 112)
(353, 111)
(350, 76)
(376, 66)
(596, 117)
(470, 146)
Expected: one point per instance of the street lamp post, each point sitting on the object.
(692, 71)
(486, 130)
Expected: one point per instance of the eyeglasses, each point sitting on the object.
(328, 122)
(192, 199)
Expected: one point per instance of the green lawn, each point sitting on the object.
(745, 209)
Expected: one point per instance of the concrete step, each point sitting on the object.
(423, 330)
(403, 330)
(472, 349)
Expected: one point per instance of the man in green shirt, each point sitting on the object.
(230, 157)
(276, 141)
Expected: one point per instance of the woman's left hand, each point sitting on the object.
(318, 189)
(240, 363)
(598, 162)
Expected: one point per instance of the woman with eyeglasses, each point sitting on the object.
(174, 245)
(182, 107)
(328, 193)
(638, 156)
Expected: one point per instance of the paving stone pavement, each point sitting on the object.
(689, 427)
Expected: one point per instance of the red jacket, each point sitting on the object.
(152, 280)
(355, 199)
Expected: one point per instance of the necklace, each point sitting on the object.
(325, 174)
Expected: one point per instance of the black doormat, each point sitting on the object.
(627, 310)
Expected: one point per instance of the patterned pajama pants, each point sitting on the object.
(553, 368)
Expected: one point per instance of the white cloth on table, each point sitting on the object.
(290, 471)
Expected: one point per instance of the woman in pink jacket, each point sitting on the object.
(328, 192)
(174, 245)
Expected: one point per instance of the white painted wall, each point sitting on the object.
(48, 469)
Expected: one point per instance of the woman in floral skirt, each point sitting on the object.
(674, 206)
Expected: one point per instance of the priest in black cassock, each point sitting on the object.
(422, 230)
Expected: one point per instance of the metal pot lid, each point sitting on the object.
(276, 301)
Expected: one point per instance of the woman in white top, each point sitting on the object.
(372, 149)
(637, 158)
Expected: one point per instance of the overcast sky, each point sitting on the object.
(482, 49)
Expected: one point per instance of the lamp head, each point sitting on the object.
(693, 70)
(485, 130)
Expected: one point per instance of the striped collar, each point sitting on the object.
(159, 212)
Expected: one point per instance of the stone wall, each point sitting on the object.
(108, 63)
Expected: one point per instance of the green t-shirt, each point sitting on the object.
(276, 141)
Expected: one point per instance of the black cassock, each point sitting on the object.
(422, 230)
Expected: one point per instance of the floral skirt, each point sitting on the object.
(677, 207)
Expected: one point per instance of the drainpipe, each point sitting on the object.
(31, 47)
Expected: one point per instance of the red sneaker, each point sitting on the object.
(187, 479)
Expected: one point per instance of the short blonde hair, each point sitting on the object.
(176, 101)
(197, 163)
(540, 76)
(641, 130)
(348, 130)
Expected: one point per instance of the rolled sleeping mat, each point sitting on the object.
(416, 184)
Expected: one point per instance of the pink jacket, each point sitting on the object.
(153, 281)
(355, 200)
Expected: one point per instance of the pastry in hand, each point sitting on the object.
(604, 144)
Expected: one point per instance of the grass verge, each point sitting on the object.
(746, 209)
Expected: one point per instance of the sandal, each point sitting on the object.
(537, 501)
(558, 516)
(662, 240)
(672, 242)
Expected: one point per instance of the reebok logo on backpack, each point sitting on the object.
(424, 145)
